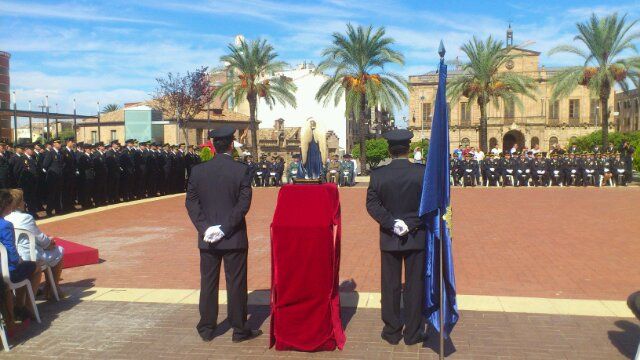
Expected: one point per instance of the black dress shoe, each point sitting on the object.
(419, 340)
(390, 340)
(251, 335)
(207, 338)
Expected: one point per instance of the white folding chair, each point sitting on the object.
(3, 335)
(32, 254)
(4, 263)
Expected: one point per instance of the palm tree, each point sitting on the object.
(357, 60)
(252, 67)
(483, 80)
(606, 40)
(110, 107)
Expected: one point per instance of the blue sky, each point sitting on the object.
(112, 51)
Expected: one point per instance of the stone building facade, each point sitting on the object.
(165, 130)
(627, 105)
(540, 121)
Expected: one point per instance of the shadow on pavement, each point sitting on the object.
(50, 310)
(348, 289)
(626, 340)
(433, 343)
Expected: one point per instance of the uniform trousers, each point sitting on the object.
(54, 192)
(414, 261)
(235, 271)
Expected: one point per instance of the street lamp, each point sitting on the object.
(15, 119)
(98, 109)
(56, 121)
(30, 123)
(74, 115)
(46, 106)
(422, 119)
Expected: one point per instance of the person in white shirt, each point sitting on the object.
(514, 149)
(355, 166)
(495, 151)
(417, 155)
(47, 252)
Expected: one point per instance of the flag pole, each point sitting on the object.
(441, 52)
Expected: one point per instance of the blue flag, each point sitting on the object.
(435, 209)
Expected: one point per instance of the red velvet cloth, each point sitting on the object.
(305, 263)
(77, 254)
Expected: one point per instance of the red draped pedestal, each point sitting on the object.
(305, 262)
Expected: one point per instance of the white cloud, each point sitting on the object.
(67, 11)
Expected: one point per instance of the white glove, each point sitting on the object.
(213, 234)
(400, 228)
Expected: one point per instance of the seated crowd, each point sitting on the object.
(271, 172)
(21, 265)
(536, 168)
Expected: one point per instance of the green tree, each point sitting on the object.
(253, 66)
(376, 151)
(206, 154)
(357, 61)
(607, 40)
(587, 142)
(484, 82)
(110, 107)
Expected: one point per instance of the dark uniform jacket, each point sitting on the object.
(111, 160)
(394, 193)
(219, 193)
(53, 162)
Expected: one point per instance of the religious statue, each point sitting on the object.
(313, 144)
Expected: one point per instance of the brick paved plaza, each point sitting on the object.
(542, 273)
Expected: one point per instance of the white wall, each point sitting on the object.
(308, 83)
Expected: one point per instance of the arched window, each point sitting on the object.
(493, 142)
(552, 142)
(534, 141)
(465, 142)
(573, 139)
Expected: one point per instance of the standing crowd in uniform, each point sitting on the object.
(59, 176)
(271, 172)
(560, 167)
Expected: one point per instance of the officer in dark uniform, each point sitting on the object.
(590, 171)
(69, 176)
(152, 170)
(4, 167)
(469, 170)
(127, 163)
(262, 171)
(86, 178)
(218, 198)
(605, 169)
(492, 171)
(540, 170)
(39, 154)
(523, 170)
(162, 160)
(556, 171)
(114, 172)
(27, 175)
(619, 168)
(140, 158)
(626, 154)
(101, 172)
(180, 170)
(169, 169)
(453, 169)
(393, 200)
(53, 166)
(508, 170)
